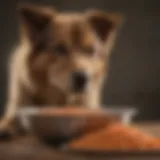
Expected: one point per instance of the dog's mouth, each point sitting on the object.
(76, 98)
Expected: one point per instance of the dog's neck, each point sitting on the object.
(52, 96)
(49, 96)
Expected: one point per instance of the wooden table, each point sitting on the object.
(28, 148)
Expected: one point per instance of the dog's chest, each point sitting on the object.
(49, 97)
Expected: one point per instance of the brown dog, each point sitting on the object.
(61, 58)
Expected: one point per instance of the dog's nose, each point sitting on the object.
(79, 80)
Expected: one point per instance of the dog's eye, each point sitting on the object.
(60, 50)
(88, 49)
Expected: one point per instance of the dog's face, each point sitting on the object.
(68, 50)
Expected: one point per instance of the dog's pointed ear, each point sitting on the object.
(103, 23)
(35, 19)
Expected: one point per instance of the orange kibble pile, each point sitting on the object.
(116, 137)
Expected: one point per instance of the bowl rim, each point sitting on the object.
(106, 110)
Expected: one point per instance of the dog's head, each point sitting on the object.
(68, 50)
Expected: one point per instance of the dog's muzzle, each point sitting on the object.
(78, 81)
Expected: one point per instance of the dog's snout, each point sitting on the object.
(79, 80)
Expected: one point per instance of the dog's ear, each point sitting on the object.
(36, 20)
(103, 23)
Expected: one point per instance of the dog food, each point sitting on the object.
(116, 137)
(71, 111)
(92, 119)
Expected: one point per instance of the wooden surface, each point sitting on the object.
(29, 148)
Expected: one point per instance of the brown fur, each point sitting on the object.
(52, 46)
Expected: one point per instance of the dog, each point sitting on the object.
(62, 58)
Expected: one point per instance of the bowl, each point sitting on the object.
(59, 125)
